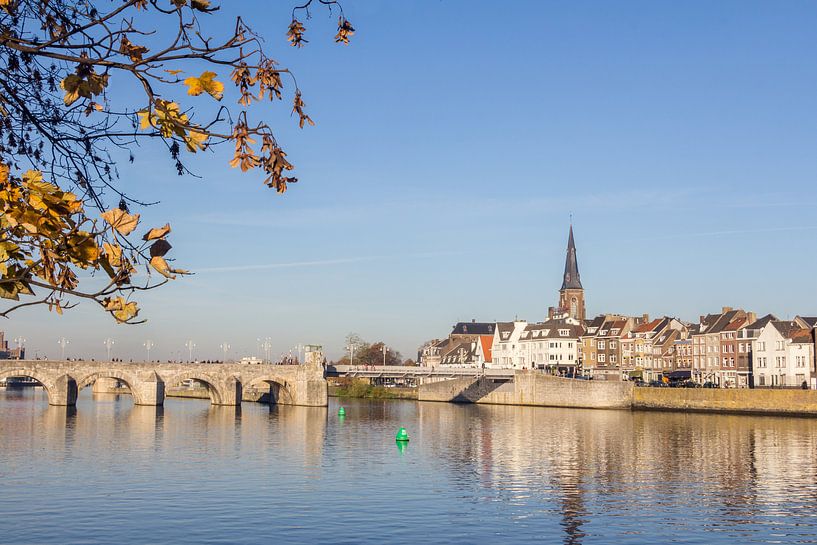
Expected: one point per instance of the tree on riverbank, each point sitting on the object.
(369, 353)
(82, 85)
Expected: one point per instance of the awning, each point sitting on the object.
(680, 375)
(638, 373)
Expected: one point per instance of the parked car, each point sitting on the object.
(710, 385)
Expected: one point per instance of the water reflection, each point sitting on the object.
(470, 473)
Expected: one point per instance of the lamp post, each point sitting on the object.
(190, 345)
(63, 342)
(384, 354)
(20, 341)
(148, 344)
(225, 347)
(108, 345)
(266, 346)
(299, 348)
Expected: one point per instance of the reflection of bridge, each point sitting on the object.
(62, 380)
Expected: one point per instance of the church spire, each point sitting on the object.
(572, 280)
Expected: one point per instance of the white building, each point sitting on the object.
(783, 356)
(506, 350)
(552, 345)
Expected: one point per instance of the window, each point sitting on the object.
(564, 332)
(761, 345)
(614, 331)
(761, 380)
(612, 344)
(800, 379)
(601, 345)
(612, 358)
(601, 358)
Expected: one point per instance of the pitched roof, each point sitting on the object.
(761, 322)
(572, 280)
(810, 321)
(649, 326)
(473, 328)
(486, 341)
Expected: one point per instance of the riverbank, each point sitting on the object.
(361, 389)
(530, 388)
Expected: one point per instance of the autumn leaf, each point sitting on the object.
(133, 51)
(201, 5)
(196, 140)
(205, 84)
(157, 232)
(114, 253)
(160, 248)
(120, 220)
(161, 266)
(122, 310)
(174, 72)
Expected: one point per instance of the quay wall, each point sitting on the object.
(755, 401)
(532, 388)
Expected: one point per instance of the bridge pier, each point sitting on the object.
(62, 392)
(149, 391)
(230, 393)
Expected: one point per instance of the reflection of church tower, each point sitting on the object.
(571, 296)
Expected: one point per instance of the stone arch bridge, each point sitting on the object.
(62, 380)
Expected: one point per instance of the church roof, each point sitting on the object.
(572, 280)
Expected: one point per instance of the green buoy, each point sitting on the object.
(402, 435)
(341, 412)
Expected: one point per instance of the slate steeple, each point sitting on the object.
(572, 280)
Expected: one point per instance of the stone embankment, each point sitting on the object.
(537, 389)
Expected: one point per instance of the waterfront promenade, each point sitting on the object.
(62, 380)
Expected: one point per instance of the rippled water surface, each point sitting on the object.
(110, 472)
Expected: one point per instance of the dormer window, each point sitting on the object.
(564, 332)
(614, 331)
(545, 333)
(603, 332)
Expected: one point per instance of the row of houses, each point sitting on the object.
(731, 349)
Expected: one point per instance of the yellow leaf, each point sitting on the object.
(205, 84)
(196, 140)
(164, 269)
(157, 232)
(161, 267)
(120, 220)
(174, 72)
(114, 253)
(122, 310)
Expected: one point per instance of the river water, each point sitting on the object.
(110, 472)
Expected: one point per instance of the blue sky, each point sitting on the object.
(454, 139)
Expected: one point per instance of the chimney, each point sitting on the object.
(724, 310)
(645, 317)
(473, 320)
(752, 317)
(701, 319)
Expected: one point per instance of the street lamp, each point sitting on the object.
(109, 344)
(225, 347)
(266, 346)
(148, 344)
(63, 342)
(190, 345)
(384, 354)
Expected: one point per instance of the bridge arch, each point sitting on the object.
(45, 380)
(128, 379)
(281, 391)
(214, 386)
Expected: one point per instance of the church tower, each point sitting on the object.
(571, 295)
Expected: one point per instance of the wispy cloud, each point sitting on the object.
(323, 262)
(729, 232)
